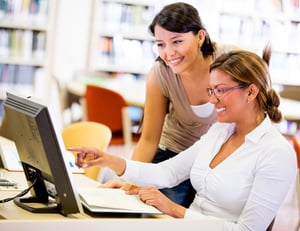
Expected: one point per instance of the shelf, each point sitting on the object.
(23, 26)
(253, 24)
(135, 33)
(262, 16)
(122, 68)
(21, 61)
(26, 45)
(121, 42)
(249, 24)
(133, 2)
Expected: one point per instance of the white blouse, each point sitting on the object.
(244, 191)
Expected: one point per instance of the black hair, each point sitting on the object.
(182, 18)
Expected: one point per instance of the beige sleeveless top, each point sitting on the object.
(182, 127)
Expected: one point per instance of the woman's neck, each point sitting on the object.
(245, 127)
(200, 69)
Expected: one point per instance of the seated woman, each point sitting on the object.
(241, 169)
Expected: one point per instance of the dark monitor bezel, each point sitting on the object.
(43, 156)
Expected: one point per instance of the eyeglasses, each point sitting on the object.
(218, 92)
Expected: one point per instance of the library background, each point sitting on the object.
(45, 45)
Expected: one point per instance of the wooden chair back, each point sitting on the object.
(87, 133)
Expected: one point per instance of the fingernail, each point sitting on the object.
(84, 165)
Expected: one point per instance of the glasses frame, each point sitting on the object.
(218, 92)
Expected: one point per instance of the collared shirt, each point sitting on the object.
(244, 191)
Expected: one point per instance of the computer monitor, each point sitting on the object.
(43, 156)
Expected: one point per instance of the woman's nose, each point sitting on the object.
(214, 99)
(170, 51)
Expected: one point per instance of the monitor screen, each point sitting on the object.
(43, 156)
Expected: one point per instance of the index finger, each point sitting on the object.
(75, 149)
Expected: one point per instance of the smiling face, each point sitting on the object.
(180, 51)
(231, 105)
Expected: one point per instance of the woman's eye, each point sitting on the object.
(177, 41)
(219, 91)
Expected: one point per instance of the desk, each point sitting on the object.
(15, 218)
(132, 90)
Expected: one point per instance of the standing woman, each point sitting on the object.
(177, 109)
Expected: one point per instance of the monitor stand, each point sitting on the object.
(37, 205)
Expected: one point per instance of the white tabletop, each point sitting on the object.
(15, 218)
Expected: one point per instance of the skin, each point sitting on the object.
(181, 52)
(238, 105)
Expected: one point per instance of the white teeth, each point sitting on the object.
(220, 109)
(174, 61)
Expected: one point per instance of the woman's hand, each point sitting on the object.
(86, 156)
(90, 156)
(152, 196)
(119, 184)
(112, 184)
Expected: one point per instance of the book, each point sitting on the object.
(114, 199)
(9, 155)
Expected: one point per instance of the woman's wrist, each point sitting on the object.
(177, 211)
(118, 165)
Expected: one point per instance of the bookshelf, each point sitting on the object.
(120, 41)
(25, 45)
(253, 24)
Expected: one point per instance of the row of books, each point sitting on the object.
(24, 11)
(283, 35)
(16, 74)
(125, 52)
(284, 68)
(124, 16)
(20, 79)
(267, 7)
(22, 43)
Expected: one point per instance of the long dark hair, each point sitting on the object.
(182, 18)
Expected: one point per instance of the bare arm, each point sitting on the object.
(154, 115)
(91, 156)
(152, 196)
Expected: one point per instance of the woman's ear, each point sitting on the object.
(253, 91)
(201, 37)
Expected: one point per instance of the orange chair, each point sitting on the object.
(296, 144)
(110, 108)
(87, 133)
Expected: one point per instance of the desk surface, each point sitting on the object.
(111, 225)
(11, 216)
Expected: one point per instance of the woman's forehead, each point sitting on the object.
(218, 77)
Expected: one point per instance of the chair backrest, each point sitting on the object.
(87, 133)
(296, 144)
(105, 106)
(110, 108)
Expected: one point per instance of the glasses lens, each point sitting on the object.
(218, 92)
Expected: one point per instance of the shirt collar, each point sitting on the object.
(260, 130)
